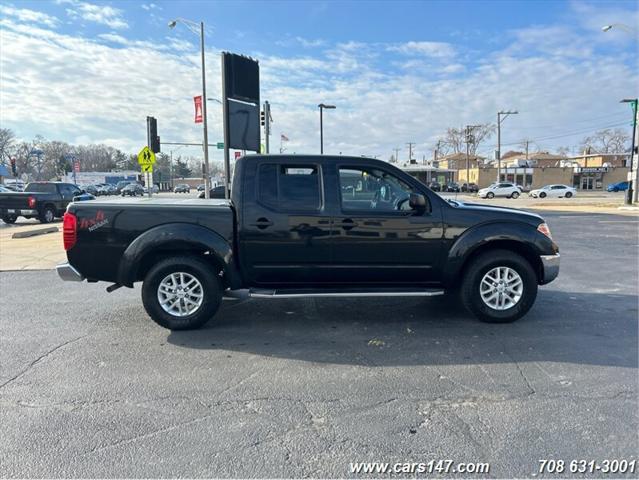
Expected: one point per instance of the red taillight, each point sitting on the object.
(543, 228)
(32, 202)
(69, 230)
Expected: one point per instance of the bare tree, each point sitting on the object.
(564, 151)
(455, 138)
(7, 139)
(607, 141)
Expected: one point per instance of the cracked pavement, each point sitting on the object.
(91, 387)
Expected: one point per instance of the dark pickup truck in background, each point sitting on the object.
(42, 200)
(302, 226)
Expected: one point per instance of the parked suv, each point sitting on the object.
(502, 189)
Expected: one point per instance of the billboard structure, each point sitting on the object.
(241, 103)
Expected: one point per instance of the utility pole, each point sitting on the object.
(469, 139)
(410, 151)
(396, 149)
(499, 120)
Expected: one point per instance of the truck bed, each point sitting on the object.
(108, 227)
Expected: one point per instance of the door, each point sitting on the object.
(557, 191)
(67, 192)
(285, 230)
(504, 190)
(377, 237)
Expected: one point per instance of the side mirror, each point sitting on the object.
(417, 201)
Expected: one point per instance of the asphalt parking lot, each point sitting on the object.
(90, 386)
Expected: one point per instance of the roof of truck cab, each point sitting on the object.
(323, 159)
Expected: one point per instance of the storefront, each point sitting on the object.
(518, 176)
(589, 178)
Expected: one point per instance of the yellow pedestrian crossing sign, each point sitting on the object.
(146, 157)
(148, 168)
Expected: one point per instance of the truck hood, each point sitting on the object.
(477, 207)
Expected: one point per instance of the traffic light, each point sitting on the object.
(14, 170)
(152, 134)
(262, 118)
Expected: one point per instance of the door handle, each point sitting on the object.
(348, 224)
(262, 223)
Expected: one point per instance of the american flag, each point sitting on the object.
(283, 137)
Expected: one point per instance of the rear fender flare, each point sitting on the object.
(177, 236)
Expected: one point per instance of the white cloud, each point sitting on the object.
(102, 14)
(66, 87)
(150, 6)
(29, 16)
(428, 49)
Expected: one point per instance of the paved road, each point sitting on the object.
(89, 386)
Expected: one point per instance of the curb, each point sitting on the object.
(33, 233)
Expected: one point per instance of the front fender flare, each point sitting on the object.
(177, 236)
(473, 239)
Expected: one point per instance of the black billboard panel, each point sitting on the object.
(244, 123)
(242, 77)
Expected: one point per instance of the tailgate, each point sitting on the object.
(17, 200)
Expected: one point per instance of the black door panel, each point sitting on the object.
(285, 235)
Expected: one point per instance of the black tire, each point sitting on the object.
(490, 195)
(47, 215)
(568, 194)
(474, 273)
(196, 267)
(514, 195)
(542, 195)
(9, 219)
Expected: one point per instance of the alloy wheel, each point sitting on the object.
(501, 288)
(180, 294)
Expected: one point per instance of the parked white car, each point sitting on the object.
(502, 189)
(557, 191)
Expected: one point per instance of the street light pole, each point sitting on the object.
(321, 109)
(207, 179)
(193, 27)
(499, 120)
(631, 194)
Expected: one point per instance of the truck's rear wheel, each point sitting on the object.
(499, 286)
(47, 215)
(181, 293)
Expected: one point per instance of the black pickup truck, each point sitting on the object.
(42, 200)
(302, 226)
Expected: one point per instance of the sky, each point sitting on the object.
(402, 71)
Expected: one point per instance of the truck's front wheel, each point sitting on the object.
(499, 286)
(181, 293)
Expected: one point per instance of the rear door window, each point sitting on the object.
(289, 186)
(41, 187)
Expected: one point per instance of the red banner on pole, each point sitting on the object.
(198, 108)
(76, 166)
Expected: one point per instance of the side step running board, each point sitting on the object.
(299, 293)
